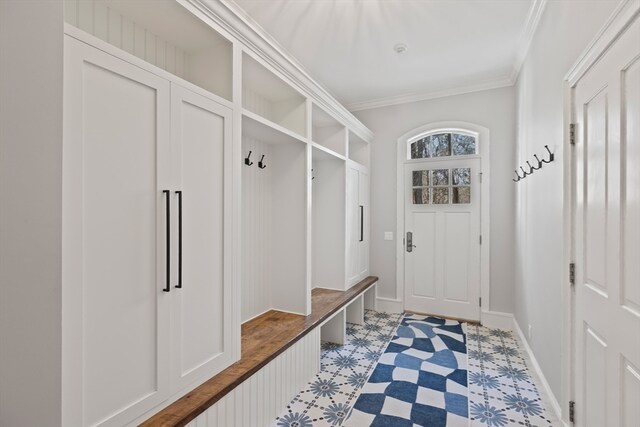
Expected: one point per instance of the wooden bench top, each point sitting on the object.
(263, 339)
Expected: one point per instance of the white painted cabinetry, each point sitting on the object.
(357, 222)
(146, 232)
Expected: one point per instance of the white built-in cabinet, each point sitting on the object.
(202, 187)
(146, 237)
(357, 222)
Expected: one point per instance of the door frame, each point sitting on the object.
(485, 203)
(621, 18)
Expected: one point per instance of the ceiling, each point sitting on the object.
(453, 46)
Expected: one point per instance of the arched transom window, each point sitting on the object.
(445, 143)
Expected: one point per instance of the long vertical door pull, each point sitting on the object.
(167, 287)
(179, 285)
(361, 223)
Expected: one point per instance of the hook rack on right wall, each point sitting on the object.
(532, 169)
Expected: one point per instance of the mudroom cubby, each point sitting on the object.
(267, 95)
(274, 222)
(327, 131)
(328, 220)
(358, 149)
(167, 35)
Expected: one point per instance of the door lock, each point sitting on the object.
(410, 244)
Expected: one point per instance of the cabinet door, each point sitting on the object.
(363, 241)
(202, 294)
(116, 164)
(353, 224)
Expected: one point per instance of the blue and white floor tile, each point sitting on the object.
(327, 400)
(502, 391)
(420, 380)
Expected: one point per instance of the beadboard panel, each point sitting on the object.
(96, 18)
(257, 231)
(258, 401)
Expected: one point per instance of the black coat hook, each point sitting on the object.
(539, 162)
(261, 164)
(531, 168)
(524, 172)
(247, 160)
(518, 175)
(551, 155)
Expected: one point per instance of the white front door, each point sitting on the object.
(442, 237)
(607, 290)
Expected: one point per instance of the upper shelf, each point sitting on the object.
(358, 149)
(327, 131)
(267, 95)
(166, 35)
(257, 127)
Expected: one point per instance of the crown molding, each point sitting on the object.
(526, 37)
(237, 23)
(423, 96)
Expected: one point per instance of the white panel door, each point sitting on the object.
(363, 231)
(116, 166)
(607, 290)
(442, 260)
(202, 286)
(357, 223)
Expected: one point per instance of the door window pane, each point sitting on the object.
(421, 178)
(461, 176)
(420, 148)
(420, 196)
(441, 196)
(463, 144)
(440, 177)
(440, 144)
(461, 195)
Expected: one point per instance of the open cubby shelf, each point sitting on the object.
(327, 131)
(170, 37)
(267, 95)
(328, 220)
(358, 149)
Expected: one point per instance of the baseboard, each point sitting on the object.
(389, 305)
(496, 320)
(545, 384)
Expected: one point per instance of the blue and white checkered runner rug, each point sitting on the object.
(420, 380)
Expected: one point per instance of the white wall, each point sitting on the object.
(494, 109)
(30, 212)
(563, 33)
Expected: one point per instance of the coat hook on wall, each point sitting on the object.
(261, 164)
(247, 160)
(551, 155)
(531, 168)
(524, 172)
(518, 175)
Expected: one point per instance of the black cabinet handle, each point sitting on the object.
(361, 223)
(179, 285)
(167, 287)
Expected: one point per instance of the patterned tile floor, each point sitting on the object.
(327, 400)
(502, 389)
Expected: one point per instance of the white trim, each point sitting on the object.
(484, 141)
(389, 305)
(551, 398)
(496, 320)
(624, 14)
(617, 23)
(237, 23)
(425, 95)
(529, 31)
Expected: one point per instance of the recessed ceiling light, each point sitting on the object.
(400, 48)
